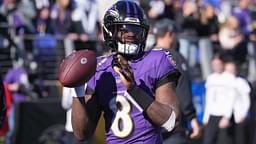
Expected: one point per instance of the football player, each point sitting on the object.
(134, 89)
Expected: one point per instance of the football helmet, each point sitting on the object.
(125, 17)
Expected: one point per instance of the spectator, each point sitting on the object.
(43, 24)
(40, 4)
(229, 34)
(87, 24)
(241, 104)
(18, 84)
(5, 38)
(19, 13)
(208, 36)
(62, 25)
(232, 40)
(165, 32)
(220, 97)
(252, 55)
(225, 10)
(188, 25)
(61, 21)
(156, 9)
(171, 7)
(242, 13)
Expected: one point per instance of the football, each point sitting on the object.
(77, 68)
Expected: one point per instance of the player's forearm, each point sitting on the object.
(80, 120)
(159, 113)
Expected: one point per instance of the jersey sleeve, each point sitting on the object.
(166, 70)
(91, 85)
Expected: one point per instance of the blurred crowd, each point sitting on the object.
(204, 27)
(39, 33)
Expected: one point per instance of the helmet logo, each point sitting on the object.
(113, 13)
(131, 19)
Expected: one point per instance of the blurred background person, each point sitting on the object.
(87, 24)
(188, 25)
(42, 21)
(62, 25)
(165, 32)
(19, 86)
(232, 40)
(219, 100)
(155, 10)
(60, 15)
(243, 14)
(241, 105)
(252, 54)
(208, 37)
(19, 13)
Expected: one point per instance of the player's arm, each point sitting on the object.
(163, 110)
(85, 116)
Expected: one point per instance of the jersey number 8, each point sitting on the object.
(122, 125)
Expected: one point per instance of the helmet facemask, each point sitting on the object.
(127, 38)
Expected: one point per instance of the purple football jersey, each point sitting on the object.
(124, 120)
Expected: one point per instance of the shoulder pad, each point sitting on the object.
(103, 62)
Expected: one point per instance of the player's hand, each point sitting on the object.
(84, 37)
(196, 132)
(73, 36)
(224, 122)
(122, 67)
(241, 120)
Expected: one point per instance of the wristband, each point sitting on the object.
(141, 97)
(170, 123)
(80, 91)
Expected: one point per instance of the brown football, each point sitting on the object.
(77, 68)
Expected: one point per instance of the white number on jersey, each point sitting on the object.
(122, 125)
